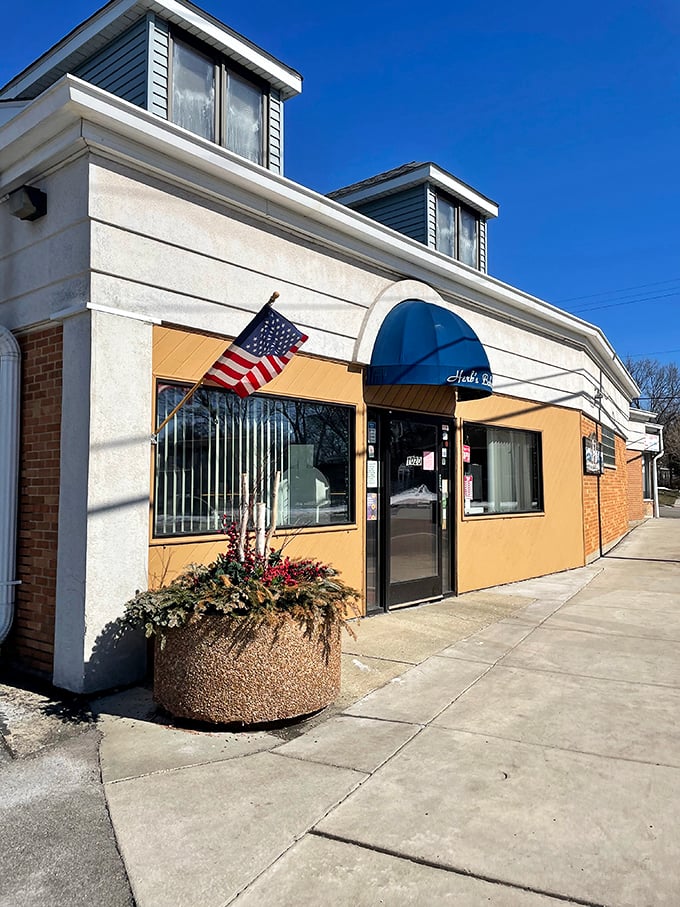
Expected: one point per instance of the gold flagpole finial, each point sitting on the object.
(273, 298)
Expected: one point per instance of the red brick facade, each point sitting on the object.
(31, 642)
(605, 498)
(636, 504)
(591, 532)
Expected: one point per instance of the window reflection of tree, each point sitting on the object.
(201, 452)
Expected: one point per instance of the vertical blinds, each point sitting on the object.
(216, 437)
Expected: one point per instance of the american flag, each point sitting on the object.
(259, 353)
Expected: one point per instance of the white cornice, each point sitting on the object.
(145, 141)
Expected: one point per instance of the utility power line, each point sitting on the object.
(614, 305)
(651, 353)
(641, 286)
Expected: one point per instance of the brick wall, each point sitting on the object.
(591, 532)
(608, 515)
(614, 497)
(636, 504)
(31, 641)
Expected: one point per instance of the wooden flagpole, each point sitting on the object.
(190, 393)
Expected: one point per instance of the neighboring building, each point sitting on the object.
(432, 434)
(644, 450)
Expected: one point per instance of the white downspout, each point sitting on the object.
(10, 371)
(655, 475)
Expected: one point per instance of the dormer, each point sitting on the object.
(429, 205)
(173, 59)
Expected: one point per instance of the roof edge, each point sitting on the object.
(73, 101)
(230, 42)
(411, 175)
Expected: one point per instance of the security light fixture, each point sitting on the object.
(27, 203)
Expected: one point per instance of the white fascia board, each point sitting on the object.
(155, 145)
(426, 173)
(642, 415)
(287, 80)
(283, 78)
(88, 30)
(461, 190)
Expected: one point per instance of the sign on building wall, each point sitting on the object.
(593, 461)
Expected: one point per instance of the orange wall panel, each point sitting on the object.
(186, 356)
(498, 549)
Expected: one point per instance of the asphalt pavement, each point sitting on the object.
(516, 746)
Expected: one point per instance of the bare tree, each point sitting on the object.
(660, 393)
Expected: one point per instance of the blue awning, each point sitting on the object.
(423, 343)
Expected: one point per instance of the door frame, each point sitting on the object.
(443, 471)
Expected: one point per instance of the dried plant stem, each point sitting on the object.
(243, 522)
(275, 510)
(260, 518)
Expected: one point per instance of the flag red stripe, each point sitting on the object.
(244, 372)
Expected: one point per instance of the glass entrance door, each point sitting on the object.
(413, 511)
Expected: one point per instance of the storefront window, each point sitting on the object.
(216, 437)
(502, 470)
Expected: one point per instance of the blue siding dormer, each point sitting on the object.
(405, 211)
(136, 54)
(427, 204)
(121, 66)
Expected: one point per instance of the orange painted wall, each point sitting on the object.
(183, 355)
(502, 549)
(31, 641)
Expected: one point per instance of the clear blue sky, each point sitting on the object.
(568, 115)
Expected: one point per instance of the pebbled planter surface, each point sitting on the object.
(224, 670)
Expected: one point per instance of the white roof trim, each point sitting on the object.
(82, 35)
(425, 173)
(166, 148)
(232, 44)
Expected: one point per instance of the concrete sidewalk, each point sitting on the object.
(517, 746)
(533, 762)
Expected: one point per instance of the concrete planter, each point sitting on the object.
(224, 670)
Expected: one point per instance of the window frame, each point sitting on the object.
(222, 67)
(294, 528)
(457, 207)
(608, 447)
(504, 514)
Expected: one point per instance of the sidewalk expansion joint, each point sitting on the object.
(458, 870)
(396, 661)
(420, 724)
(345, 768)
(613, 635)
(173, 769)
(554, 746)
(637, 683)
